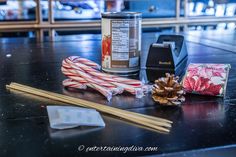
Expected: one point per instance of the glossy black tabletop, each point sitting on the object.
(201, 123)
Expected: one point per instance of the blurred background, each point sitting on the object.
(40, 18)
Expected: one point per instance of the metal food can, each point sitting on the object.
(121, 42)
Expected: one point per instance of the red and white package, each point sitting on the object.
(206, 79)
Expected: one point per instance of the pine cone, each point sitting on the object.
(168, 91)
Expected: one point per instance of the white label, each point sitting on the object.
(106, 27)
(120, 40)
(120, 56)
(107, 61)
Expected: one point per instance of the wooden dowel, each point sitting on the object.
(81, 101)
(136, 119)
(148, 121)
(99, 107)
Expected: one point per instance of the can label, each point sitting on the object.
(121, 44)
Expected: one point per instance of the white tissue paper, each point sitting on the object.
(64, 117)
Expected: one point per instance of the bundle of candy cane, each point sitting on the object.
(83, 73)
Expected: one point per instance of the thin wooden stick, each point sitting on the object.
(66, 97)
(148, 121)
(88, 102)
(54, 102)
(155, 125)
(99, 107)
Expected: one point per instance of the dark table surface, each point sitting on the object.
(201, 124)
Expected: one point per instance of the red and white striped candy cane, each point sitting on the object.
(106, 77)
(73, 84)
(138, 92)
(73, 73)
(77, 59)
(83, 72)
(106, 92)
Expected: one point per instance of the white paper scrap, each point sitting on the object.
(64, 117)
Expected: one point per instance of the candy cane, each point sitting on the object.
(106, 77)
(82, 77)
(74, 73)
(83, 72)
(106, 92)
(77, 59)
(74, 76)
(73, 84)
(138, 92)
(79, 71)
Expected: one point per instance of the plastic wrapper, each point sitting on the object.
(65, 117)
